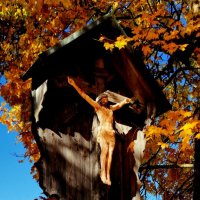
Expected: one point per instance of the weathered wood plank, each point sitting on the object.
(70, 165)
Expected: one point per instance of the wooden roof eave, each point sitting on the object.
(40, 62)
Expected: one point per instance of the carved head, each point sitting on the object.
(102, 99)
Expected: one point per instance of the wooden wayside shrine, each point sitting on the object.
(65, 126)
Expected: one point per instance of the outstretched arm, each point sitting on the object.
(82, 93)
(122, 103)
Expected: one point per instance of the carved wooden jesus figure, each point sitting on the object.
(106, 133)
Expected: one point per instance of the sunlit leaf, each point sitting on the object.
(163, 145)
(109, 46)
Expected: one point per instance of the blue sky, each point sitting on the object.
(16, 182)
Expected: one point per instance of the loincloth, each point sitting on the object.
(106, 136)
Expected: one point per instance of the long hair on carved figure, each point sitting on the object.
(102, 99)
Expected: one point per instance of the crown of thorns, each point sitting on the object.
(101, 96)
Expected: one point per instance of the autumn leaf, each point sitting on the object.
(185, 133)
(163, 145)
(120, 44)
(185, 143)
(183, 47)
(66, 3)
(185, 114)
(122, 41)
(172, 35)
(171, 47)
(161, 31)
(146, 50)
(152, 36)
(115, 5)
(109, 46)
(189, 125)
(197, 136)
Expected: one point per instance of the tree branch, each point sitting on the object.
(181, 187)
(152, 167)
(175, 74)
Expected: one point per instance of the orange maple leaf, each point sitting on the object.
(146, 50)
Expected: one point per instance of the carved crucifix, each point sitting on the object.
(106, 133)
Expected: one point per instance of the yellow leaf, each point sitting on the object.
(183, 46)
(185, 113)
(154, 131)
(163, 145)
(186, 133)
(122, 41)
(120, 44)
(189, 125)
(197, 136)
(185, 143)
(115, 5)
(108, 46)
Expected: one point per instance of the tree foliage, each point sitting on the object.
(166, 32)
